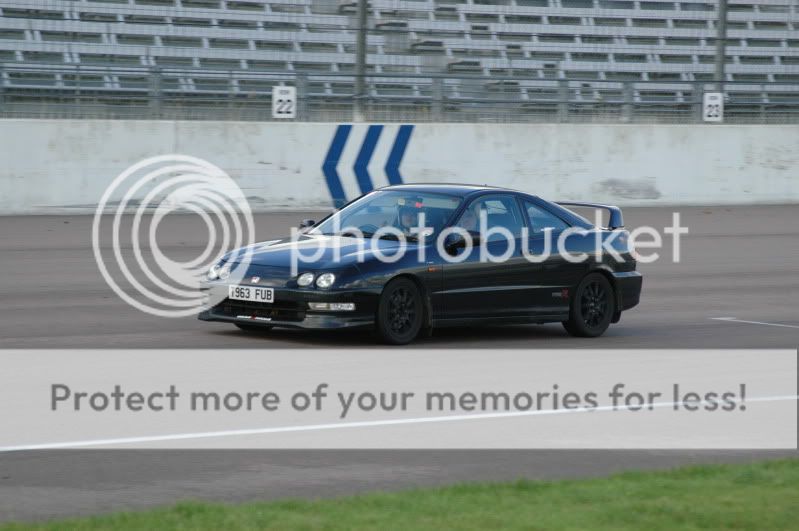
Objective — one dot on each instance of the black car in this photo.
(409, 258)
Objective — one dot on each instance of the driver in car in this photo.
(408, 219)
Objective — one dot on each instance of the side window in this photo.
(499, 210)
(541, 219)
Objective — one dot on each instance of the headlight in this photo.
(224, 272)
(213, 273)
(306, 279)
(325, 280)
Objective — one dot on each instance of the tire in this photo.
(253, 328)
(592, 307)
(400, 312)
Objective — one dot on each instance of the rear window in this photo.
(541, 219)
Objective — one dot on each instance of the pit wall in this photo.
(54, 166)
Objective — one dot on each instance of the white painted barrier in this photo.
(53, 166)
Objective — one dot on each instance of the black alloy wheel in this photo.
(592, 307)
(400, 313)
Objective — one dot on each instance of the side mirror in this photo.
(455, 241)
(307, 223)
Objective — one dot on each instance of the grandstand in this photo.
(506, 60)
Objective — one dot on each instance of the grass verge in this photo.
(750, 496)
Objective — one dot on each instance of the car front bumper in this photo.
(290, 309)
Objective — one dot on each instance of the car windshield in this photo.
(398, 209)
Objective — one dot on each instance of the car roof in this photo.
(447, 188)
(468, 190)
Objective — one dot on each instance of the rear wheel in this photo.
(592, 307)
(253, 328)
(400, 312)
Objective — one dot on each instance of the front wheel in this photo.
(400, 312)
(592, 307)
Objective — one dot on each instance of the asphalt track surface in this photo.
(737, 262)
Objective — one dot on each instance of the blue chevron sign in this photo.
(360, 165)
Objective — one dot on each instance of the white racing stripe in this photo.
(346, 425)
(735, 320)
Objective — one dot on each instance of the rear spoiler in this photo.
(615, 222)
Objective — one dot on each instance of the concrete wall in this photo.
(65, 165)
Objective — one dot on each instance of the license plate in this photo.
(251, 294)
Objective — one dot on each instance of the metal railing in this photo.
(63, 91)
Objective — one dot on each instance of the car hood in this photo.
(315, 250)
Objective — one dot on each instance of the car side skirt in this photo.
(516, 319)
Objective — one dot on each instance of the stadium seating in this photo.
(521, 49)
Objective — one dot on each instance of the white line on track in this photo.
(345, 425)
(736, 320)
